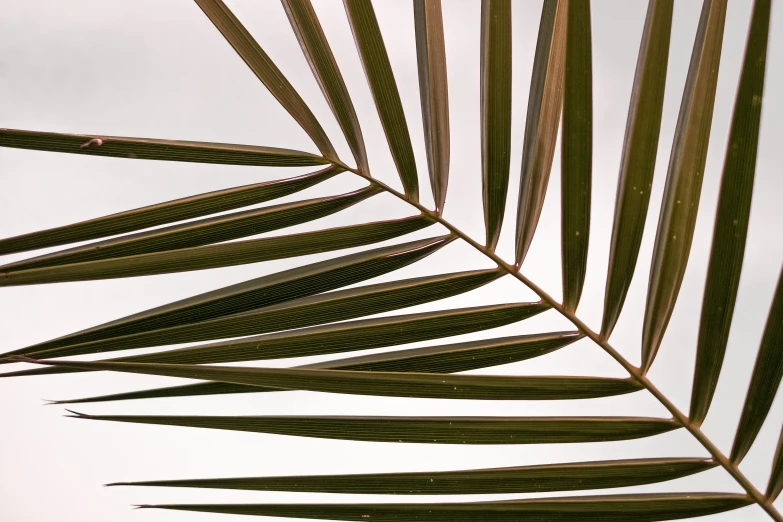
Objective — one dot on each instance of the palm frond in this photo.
(331, 307)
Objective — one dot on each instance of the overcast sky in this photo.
(160, 69)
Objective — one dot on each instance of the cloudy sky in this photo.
(160, 69)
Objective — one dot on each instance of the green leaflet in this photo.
(435, 359)
(380, 77)
(775, 485)
(638, 161)
(351, 336)
(386, 384)
(764, 383)
(256, 293)
(426, 430)
(543, 118)
(575, 476)
(319, 55)
(495, 112)
(197, 233)
(577, 151)
(731, 217)
(684, 179)
(308, 311)
(434, 92)
(152, 149)
(266, 71)
(167, 212)
(338, 338)
(616, 508)
(224, 254)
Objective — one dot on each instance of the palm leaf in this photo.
(448, 358)
(336, 338)
(214, 256)
(543, 119)
(256, 293)
(638, 160)
(684, 179)
(733, 213)
(162, 150)
(775, 485)
(520, 479)
(383, 86)
(391, 384)
(424, 430)
(308, 311)
(162, 213)
(314, 310)
(434, 90)
(495, 112)
(266, 71)
(765, 380)
(319, 55)
(642, 508)
(201, 232)
(577, 151)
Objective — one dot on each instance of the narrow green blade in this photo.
(684, 179)
(167, 212)
(765, 380)
(336, 338)
(731, 218)
(319, 55)
(638, 160)
(308, 311)
(196, 233)
(543, 118)
(351, 336)
(266, 71)
(434, 92)
(616, 508)
(256, 293)
(775, 485)
(424, 430)
(575, 476)
(384, 384)
(577, 151)
(436, 359)
(162, 150)
(220, 255)
(380, 77)
(495, 113)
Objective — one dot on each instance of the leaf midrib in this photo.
(635, 373)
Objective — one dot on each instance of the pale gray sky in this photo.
(160, 69)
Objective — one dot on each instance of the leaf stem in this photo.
(733, 469)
